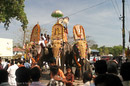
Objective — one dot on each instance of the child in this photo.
(69, 77)
(87, 79)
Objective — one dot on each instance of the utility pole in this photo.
(123, 28)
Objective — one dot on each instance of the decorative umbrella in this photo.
(57, 14)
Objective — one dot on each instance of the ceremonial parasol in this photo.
(57, 14)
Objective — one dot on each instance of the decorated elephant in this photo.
(37, 54)
(80, 49)
(60, 47)
(62, 52)
(45, 55)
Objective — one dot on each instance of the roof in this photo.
(94, 50)
(18, 49)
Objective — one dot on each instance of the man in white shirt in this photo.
(11, 70)
(42, 40)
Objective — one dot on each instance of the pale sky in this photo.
(100, 18)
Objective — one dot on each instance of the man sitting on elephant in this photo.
(42, 40)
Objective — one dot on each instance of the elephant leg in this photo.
(62, 63)
(83, 67)
(77, 73)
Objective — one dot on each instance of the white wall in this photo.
(6, 47)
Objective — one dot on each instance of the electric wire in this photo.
(115, 8)
(118, 7)
(95, 5)
(88, 8)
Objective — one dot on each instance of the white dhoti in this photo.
(12, 80)
(43, 43)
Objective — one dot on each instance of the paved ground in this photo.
(45, 79)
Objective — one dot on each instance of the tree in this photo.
(90, 41)
(10, 9)
(117, 50)
(94, 46)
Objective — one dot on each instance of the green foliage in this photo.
(10, 9)
(103, 50)
(115, 50)
(94, 46)
(57, 15)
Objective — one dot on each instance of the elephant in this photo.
(40, 54)
(45, 55)
(62, 52)
(80, 52)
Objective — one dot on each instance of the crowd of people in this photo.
(20, 73)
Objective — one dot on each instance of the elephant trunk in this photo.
(55, 51)
(82, 49)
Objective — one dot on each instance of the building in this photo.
(18, 51)
(6, 48)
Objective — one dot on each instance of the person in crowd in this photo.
(100, 67)
(1, 67)
(45, 35)
(114, 59)
(48, 41)
(22, 57)
(107, 80)
(21, 63)
(4, 78)
(27, 64)
(22, 76)
(11, 70)
(56, 80)
(87, 79)
(5, 64)
(125, 73)
(65, 34)
(112, 67)
(52, 62)
(69, 77)
(42, 40)
(35, 76)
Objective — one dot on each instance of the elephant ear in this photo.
(75, 49)
(39, 49)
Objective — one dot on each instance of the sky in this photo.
(100, 19)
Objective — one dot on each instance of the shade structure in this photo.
(57, 13)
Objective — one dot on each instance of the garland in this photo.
(79, 35)
(77, 61)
